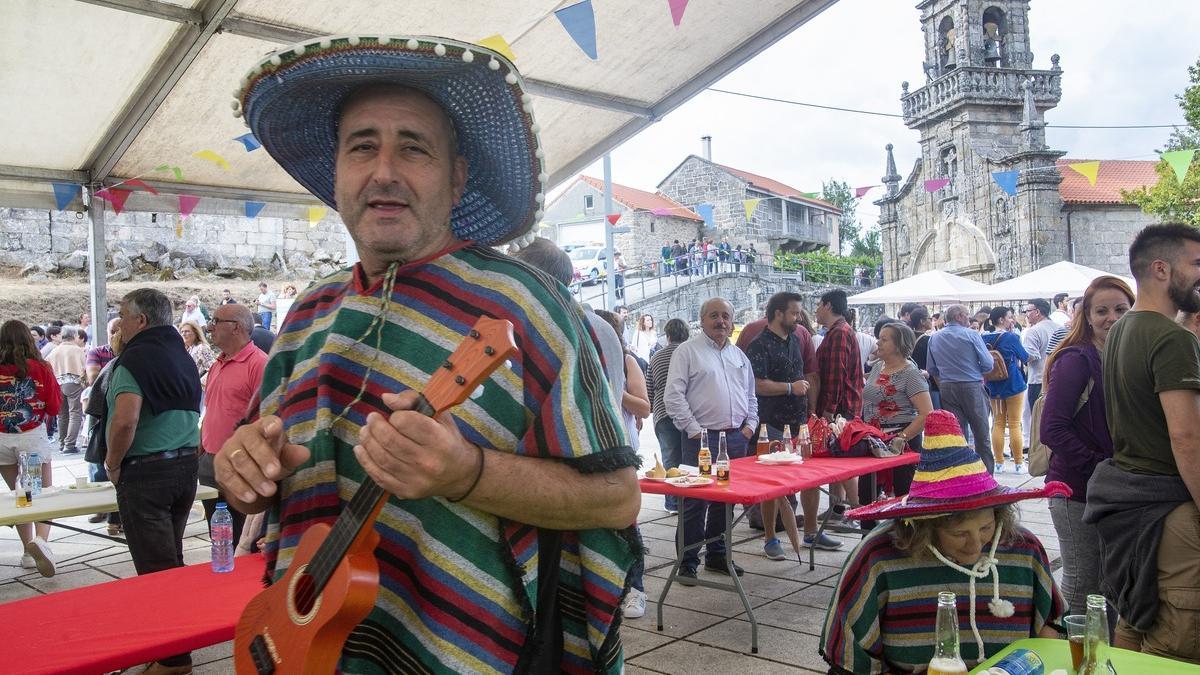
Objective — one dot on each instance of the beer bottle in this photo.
(946, 659)
(722, 464)
(705, 458)
(1095, 645)
(764, 443)
(804, 443)
(787, 439)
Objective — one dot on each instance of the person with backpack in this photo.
(1074, 428)
(1006, 386)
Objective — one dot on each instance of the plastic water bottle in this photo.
(221, 531)
(34, 467)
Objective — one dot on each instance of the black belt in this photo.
(160, 456)
(730, 430)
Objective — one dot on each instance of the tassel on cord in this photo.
(999, 607)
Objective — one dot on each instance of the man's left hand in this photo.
(747, 431)
(413, 456)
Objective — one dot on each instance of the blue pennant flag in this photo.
(1007, 180)
(706, 212)
(249, 141)
(580, 22)
(64, 193)
(252, 208)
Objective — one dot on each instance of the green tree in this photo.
(1171, 199)
(867, 245)
(839, 194)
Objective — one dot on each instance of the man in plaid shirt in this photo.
(839, 369)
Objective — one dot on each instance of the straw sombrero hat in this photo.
(292, 101)
(950, 477)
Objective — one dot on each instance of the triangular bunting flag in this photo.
(860, 191)
(613, 218)
(249, 141)
(580, 22)
(1088, 170)
(677, 7)
(936, 184)
(135, 183)
(187, 203)
(252, 208)
(64, 193)
(1179, 161)
(1007, 180)
(116, 197)
(750, 205)
(661, 212)
(499, 45)
(811, 195)
(315, 214)
(210, 156)
(706, 212)
(173, 169)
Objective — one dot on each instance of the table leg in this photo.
(119, 540)
(679, 548)
(737, 583)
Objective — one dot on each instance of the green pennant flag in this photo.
(811, 195)
(1179, 161)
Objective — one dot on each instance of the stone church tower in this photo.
(981, 110)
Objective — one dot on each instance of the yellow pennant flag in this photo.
(750, 205)
(210, 156)
(1088, 170)
(499, 45)
(315, 214)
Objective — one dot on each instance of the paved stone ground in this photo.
(705, 630)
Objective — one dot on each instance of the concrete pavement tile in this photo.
(15, 591)
(636, 640)
(635, 670)
(776, 644)
(811, 596)
(713, 601)
(677, 621)
(687, 658)
(790, 617)
(123, 569)
(656, 530)
(215, 654)
(76, 578)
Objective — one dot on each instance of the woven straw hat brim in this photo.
(899, 507)
(293, 109)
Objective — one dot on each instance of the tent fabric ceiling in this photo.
(72, 94)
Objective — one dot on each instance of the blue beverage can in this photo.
(1019, 662)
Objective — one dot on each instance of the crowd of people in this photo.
(513, 536)
(701, 257)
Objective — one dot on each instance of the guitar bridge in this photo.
(260, 652)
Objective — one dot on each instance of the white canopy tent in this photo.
(927, 287)
(1061, 277)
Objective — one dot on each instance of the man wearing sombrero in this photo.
(500, 550)
(955, 531)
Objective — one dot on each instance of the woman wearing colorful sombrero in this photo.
(955, 531)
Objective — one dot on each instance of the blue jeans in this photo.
(669, 441)
(155, 499)
(638, 571)
(704, 519)
(266, 319)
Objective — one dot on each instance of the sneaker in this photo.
(686, 576)
(1000, 468)
(822, 541)
(40, 551)
(774, 550)
(1020, 468)
(718, 565)
(27, 561)
(635, 604)
(672, 512)
(98, 518)
(71, 451)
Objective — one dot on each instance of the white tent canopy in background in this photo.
(926, 287)
(1061, 277)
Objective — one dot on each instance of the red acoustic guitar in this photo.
(300, 623)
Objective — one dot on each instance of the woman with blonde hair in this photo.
(197, 347)
(1074, 426)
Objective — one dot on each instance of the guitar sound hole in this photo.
(305, 594)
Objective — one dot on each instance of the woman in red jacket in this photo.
(29, 394)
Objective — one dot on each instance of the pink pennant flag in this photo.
(677, 7)
(135, 183)
(661, 212)
(613, 218)
(116, 197)
(936, 184)
(860, 191)
(187, 203)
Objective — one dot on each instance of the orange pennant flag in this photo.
(1088, 170)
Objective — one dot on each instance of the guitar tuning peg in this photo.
(477, 393)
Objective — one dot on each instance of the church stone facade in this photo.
(982, 110)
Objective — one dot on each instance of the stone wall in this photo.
(1101, 235)
(30, 235)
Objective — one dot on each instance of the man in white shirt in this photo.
(266, 304)
(710, 388)
(1062, 310)
(1036, 340)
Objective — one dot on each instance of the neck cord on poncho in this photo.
(984, 566)
(376, 325)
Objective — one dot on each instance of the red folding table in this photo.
(751, 483)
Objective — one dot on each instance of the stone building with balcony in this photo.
(784, 221)
(982, 110)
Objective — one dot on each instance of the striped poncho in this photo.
(457, 585)
(882, 617)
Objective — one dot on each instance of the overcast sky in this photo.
(1123, 63)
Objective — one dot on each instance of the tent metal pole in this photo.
(97, 258)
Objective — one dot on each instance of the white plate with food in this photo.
(780, 458)
(88, 487)
(690, 481)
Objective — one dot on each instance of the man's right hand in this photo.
(250, 462)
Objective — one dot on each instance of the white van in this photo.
(590, 263)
